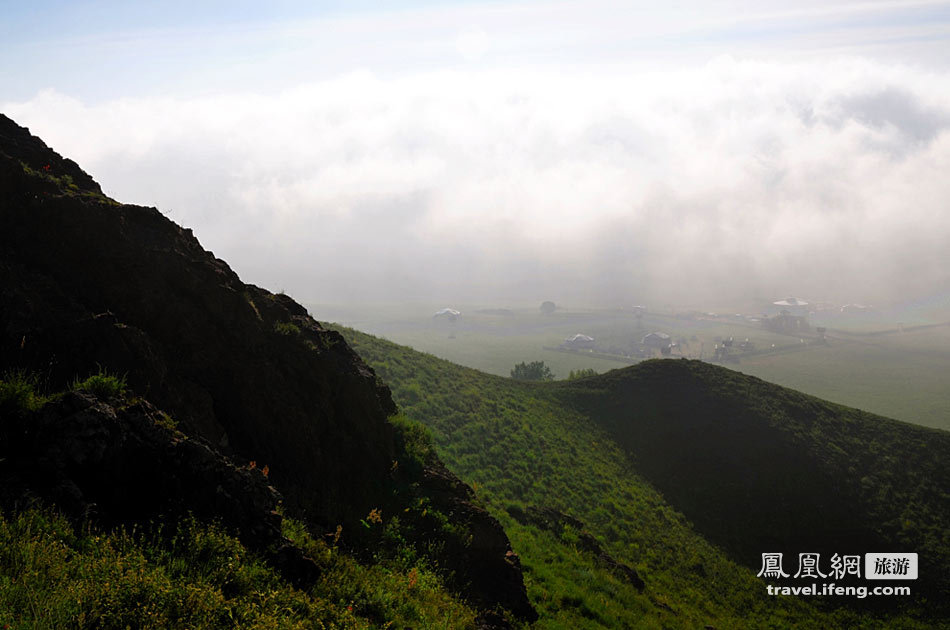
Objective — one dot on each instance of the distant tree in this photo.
(581, 373)
(534, 371)
(548, 307)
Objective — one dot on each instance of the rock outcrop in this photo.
(125, 464)
(488, 561)
(119, 463)
(87, 283)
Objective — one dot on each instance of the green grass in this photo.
(573, 375)
(633, 454)
(287, 329)
(63, 184)
(19, 393)
(896, 375)
(750, 463)
(103, 384)
(191, 574)
(197, 576)
(414, 441)
(541, 444)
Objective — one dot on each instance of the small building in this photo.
(659, 341)
(791, 306)
(447, 313)
(656, 340)
(579, 342)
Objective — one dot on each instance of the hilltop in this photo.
(90, 286)
(759, 466)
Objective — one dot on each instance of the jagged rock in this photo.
(488, 563)
(545, 517)
(296, 567)
(622, 570)
(123, 465)
(491, 621)
(87, 283)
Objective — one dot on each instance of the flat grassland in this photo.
(879, 366)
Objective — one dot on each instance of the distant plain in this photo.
(895, 365)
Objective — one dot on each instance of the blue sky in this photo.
(108, 49)
(491, 150)
(112, 48)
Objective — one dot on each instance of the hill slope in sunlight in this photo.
(686, 473)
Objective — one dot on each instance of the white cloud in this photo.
(472, 44)
(729, 179)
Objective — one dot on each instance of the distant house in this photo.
(658, 340)
(579, 342)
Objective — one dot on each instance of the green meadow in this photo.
(580, 448)
(871, 365)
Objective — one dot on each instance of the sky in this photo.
(597, 153)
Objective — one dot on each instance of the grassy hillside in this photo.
(526, 445)
(899, 375)
(198, 576)
(757, 466)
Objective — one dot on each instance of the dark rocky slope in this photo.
(119, 463)
(86, 283)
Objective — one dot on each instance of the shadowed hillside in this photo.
(88, 282)
(89, 286)
(758, 467)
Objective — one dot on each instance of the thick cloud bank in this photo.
(730, 181)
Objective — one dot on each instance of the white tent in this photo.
(449, 313)
(791, 301)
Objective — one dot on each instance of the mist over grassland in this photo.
(728, 181)
(722, 184)
(890, 362)
(691, 158)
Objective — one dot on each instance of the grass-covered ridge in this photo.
(548, 445)
(894, 372)
(753, 463)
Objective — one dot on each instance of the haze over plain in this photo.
(604, 153)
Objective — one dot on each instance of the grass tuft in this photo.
(103, 385)
(18, 393)
(287, 329)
